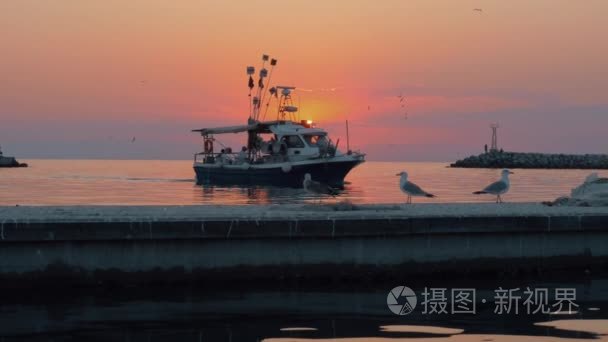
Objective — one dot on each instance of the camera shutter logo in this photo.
(401, 300)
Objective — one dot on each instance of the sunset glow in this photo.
(83, 77)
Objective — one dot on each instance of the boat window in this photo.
(293, 141)
(316, 140)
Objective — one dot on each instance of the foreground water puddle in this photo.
(593, 326)
(299, 329)
(420, 329)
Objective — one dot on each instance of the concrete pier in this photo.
(216, 243)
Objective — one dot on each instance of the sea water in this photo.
(171, 182)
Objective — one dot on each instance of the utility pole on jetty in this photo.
(494, 145)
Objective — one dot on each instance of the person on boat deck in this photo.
(283, 147)
(271, 144)
(323, 145)
(220, 157)
(227, 157)
(224, 157)
(242, 155)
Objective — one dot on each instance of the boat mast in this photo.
(256, 99)
(250, 72)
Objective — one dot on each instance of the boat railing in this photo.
(236, 158)
(216, 158)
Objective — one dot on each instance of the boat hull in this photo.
(289, 175)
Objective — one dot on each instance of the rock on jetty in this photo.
(10, 162)
(521, 160)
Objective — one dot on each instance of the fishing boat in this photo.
(277, 152)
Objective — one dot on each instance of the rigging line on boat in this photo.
(275, 94)
(299, 107)
(263, 73)
(267, 106)
(249, 102)
(219, 142)
(273, 63)
(250, 85)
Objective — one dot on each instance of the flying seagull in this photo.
(317, 188)
(497, 188)
(410, 188)
(478, 10)
(133, 140)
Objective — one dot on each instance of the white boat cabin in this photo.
(286, 141)
(298, 142)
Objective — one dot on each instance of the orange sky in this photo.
(71, 72)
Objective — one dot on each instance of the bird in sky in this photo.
(498, 188)
(133, 140)
(401, 99)
(410, 188)
(478, 10)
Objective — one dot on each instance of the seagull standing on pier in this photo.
(317, 188)
(410, 188)
(498, 188)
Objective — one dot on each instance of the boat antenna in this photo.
(273, 63)
(286, 103)
(250, 72)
